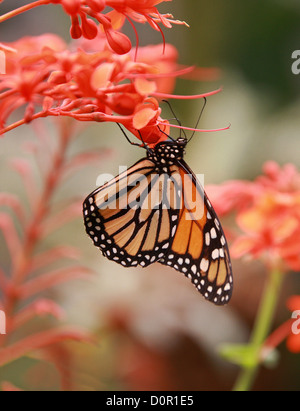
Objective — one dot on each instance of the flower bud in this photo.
(89, 28)
(118, 41)
(75, 29)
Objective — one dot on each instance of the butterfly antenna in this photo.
(166, 134)
(199, 118)
(175, 117)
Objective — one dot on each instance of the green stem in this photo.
(261, 329)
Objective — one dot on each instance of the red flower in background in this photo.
(268, 214)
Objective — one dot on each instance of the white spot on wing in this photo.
(204, 265)
(207, 239)
(174, 231)
(215, 254)
(213, 233)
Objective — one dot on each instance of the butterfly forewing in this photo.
(131, 218)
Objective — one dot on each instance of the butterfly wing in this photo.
(199, 248)
(133, 217)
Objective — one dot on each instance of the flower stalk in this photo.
(25, 259)
(32, 234)
(261, 330)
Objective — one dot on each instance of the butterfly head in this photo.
(182, 141)
(168, 153)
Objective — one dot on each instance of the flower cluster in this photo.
(49, 79)
(98, 77)
(268, 214)
(90, 16)
(110, 22)
(83, 85)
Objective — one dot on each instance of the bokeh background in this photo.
(153, 331)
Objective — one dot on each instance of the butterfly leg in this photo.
(128, 139)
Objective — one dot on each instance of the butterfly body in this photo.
(157, 211)
(166, 154)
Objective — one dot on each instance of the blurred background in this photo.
(154, 332)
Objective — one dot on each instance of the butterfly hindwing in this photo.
(199, 248)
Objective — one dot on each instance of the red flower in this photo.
(88, 15)
(79, 84)
(49, 79)
(93, 82)
(144, 123)
(143, 11)
(231, 196)
(165, 64)
(28, 65)
(268, 213)
(83, 11)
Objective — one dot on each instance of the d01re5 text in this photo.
(171, 400)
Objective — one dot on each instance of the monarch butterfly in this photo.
(149, 214)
